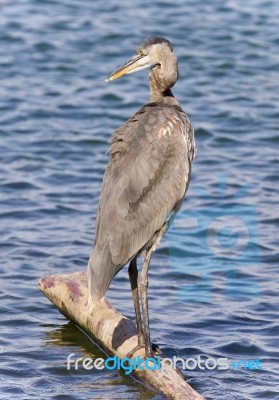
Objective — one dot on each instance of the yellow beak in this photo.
(136, 63)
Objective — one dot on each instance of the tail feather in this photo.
(100, 272)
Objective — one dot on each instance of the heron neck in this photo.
(157, 96)
(161, 80)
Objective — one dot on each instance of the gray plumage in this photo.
(148, 171)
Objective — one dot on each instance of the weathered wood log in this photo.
(115, 333)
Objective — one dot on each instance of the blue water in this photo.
(214, 280)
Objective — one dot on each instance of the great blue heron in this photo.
(144, 183)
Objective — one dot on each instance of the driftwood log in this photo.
(115, 333)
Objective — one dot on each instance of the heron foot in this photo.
(155, 349)
(135, 349)
(152, 353)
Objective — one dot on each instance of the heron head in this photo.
(151, 53)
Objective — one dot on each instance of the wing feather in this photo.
(146, 177)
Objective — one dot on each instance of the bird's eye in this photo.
(141, 52)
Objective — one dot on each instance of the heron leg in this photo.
(144, 300)
(133, 276)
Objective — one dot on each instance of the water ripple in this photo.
(213, 281)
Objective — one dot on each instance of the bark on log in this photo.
(115, 333)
